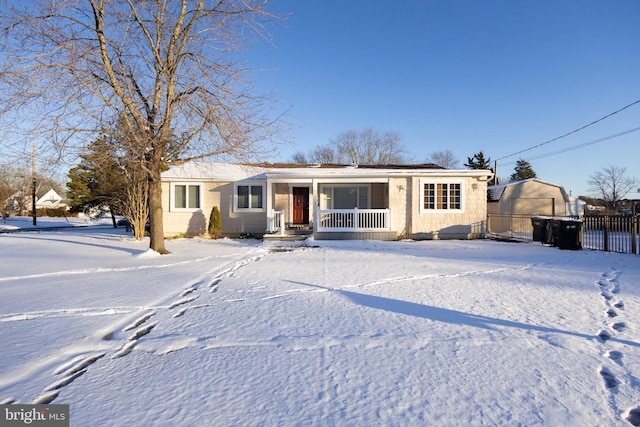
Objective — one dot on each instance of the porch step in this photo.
(288, 236)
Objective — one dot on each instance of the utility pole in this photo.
(34, 182)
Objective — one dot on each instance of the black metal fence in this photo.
(611, 233)
(603, 233)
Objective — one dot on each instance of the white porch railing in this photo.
(353, 220)
(275, 223)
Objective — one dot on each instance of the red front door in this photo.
(300, 205)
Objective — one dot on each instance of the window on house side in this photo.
(186, 197)
(442, 196)
(249, 196)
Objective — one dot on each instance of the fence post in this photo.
(607, 221)
(634, 228)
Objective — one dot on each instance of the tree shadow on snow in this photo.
(132, 251)
(449, 316)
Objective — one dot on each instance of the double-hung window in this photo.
(441, 196)
(249, 197)
(186, 197)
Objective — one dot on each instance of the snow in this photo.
(244, 332)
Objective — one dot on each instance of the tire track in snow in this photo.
(389, 280)
(102, 270)
(444, 275)
(67, 372)
(67, 312)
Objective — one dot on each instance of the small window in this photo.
(429, 196)
(444, 196)
(249, 197)
(186, 196)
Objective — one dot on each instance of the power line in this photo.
(573, 131)
(575, 147)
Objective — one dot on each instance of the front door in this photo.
(300, 205)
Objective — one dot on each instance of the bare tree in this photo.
(299, 158)
(12, 190)
(324, 154)
(369, 147)
(109, 174)
(166, 66)
(16, 184)
(445, 159)
(611, 184)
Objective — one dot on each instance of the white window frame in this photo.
(425, 181)
(323, 187)
(172, 201)
(262, 185)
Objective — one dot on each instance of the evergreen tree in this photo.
(79, 188)
(523, 170)
(478, 161)
(215, 223)
(111, 175)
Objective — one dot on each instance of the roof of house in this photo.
(239, 171)
(50, 198)
(495, 192)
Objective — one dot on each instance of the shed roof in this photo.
(495, 192)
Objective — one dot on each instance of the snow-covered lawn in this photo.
(352, 333)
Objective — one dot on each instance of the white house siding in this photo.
(469, 223)
(195, 223)
(400, 205)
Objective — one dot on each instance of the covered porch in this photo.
(329, 208)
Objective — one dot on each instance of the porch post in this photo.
(269, 206)
(315, 206)
(356, 223)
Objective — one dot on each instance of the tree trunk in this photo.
(155, 211)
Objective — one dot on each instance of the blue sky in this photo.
(496, 75)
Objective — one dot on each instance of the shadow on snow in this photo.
(448, 316)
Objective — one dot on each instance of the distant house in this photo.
(21, 203)
(575, 206)
(51, 199)
(327, 201)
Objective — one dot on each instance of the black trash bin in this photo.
(541, 229)
(566, 233)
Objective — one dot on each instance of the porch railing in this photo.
(275, 223)
(353, 219)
